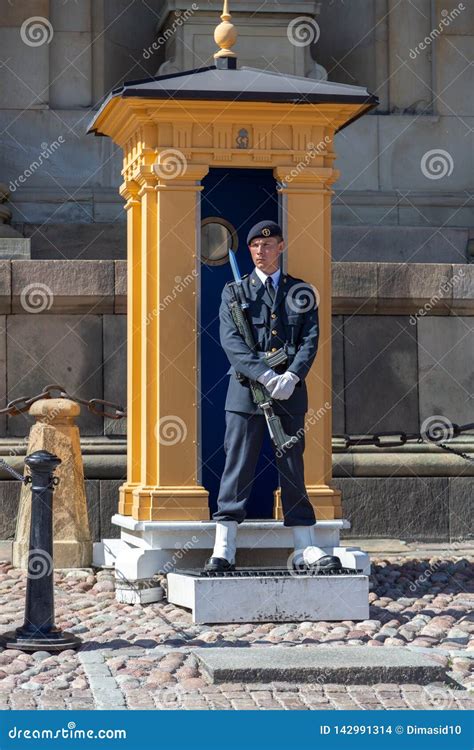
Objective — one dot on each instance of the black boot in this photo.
(218, 565)
(326, 564)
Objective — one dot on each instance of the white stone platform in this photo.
(276, 598)
(148, 548)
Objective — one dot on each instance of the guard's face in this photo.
(266, 253)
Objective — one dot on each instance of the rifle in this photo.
(260, 395)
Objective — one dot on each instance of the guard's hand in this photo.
(284, 386)
(267, 377)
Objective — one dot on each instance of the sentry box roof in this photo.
(232, 84)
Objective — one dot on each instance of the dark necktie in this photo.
(270, 288)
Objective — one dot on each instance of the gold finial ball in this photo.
(225, 34)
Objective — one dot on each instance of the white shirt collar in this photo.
(263, 276)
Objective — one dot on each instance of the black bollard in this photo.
(38, 632)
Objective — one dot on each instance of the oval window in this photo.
(217, 236)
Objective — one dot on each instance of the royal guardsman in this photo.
(283, 313)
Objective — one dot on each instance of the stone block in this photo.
(6, 550)
(3, 372)
(71, 70)
(380, 356)
(70, 17)
(271, 599)
(109, 206)
(346, 210)
(412, 460)
(108, 463)
(462, 280)
(462, 22)
(58, 163)
(115, 369)
(9, 504)
(25, 72)
(457, 213)
(5, 288)
(13, 14)
(399, 244)
(97, 241)
(15, 248)
(354, 287)
(92, 487)
(408, 508)
(409, 78)
(338, 418)
(357, 156)
(40, 206)
(461, 519)
(454, 77)
(120, 286)
(321, 665)
(403, 286)
(446, 364)
(64, 349)
(405, 140)
(109, 495)
(58, 286)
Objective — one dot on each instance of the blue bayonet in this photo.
(238, 279)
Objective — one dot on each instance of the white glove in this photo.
(266, 377)
(284, 386)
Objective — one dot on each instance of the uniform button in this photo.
(273, 315)
(274, 332)
(274, 349)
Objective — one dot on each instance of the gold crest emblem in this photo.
(266, 232)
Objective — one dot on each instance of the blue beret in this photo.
(264, 229)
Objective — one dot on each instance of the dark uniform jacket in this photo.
(272, 326)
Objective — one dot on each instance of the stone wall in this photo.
(388, 179)
(403, 352)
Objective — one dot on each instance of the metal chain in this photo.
(96, 406)
(466, 456)
(13, 472)
(396, 439)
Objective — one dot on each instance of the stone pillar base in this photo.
(325, 500)
(66, 554)
(170, 504)
(55, 431)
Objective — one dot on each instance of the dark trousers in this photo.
(242, 444)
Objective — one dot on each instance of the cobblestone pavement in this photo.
(140, 657)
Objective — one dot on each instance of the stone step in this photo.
(343, 665)
(276, 598)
